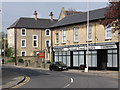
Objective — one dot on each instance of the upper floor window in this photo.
(10, 43)
(63, 36)
(23, 53)
(23, 43)
(76, 34)
(56, 38)
(47, 43)
(108, 32)
(10, 32)
(35, 40)
(47, 32)
(23, 32)
(90, 33)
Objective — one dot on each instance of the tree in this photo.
(9, 52)
(112, 16)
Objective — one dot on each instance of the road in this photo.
(57, 79)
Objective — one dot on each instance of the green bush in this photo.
(10, 61)
(13, 57)
(21, 60)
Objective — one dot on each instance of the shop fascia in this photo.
(70, 48)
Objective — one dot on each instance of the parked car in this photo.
(58, 66)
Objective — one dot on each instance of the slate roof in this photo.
(32, 23)
(81, 17)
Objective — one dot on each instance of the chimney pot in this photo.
(51, 16)
(35, 15)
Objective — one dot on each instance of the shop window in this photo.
(78, 58)
(92, 59)
(75, 60)
(112, 58)
(62, 57)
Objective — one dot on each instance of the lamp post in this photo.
(86, 69)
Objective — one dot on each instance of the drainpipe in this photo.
(51, 46)
(15, 36)
(41, 49)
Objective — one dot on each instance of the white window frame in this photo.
(10, 32)
(46, 43)
(35, 40)
(21, 31)
(21, 42)
(90, 33)
(56, 38)
(46, 32)
(63, 36)
(76, 28)
(108, 30)
(21, 53)
(10, 43)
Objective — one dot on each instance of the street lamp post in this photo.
(86, 69)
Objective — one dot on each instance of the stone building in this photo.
(70, 41)
(29, 36)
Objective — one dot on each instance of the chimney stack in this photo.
(35, 15)
(51, 16)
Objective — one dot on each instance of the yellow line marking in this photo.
(23, 83)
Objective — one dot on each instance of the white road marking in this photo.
(67, 86)
(71, 80)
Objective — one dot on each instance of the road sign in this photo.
(41, 55)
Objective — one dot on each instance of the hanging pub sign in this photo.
(41, 55)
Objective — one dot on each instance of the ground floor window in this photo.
(63, 57)
(111, 58)
(92, 59)
(23, 53)
(78, 58)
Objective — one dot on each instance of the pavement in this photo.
(11, 79)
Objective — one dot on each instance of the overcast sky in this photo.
(11, 11)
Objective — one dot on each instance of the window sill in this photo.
(76, 41)
(35, 47)
(23, 47)
(56, 43)
(63, 42)
(23, 35)
(47, 35)
(89, 41)
(107, 39)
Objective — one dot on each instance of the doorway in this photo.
(102, 59)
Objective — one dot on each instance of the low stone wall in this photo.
(32, 62)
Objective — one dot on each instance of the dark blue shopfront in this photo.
(101, 56)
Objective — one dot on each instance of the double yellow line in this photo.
(27, 79)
